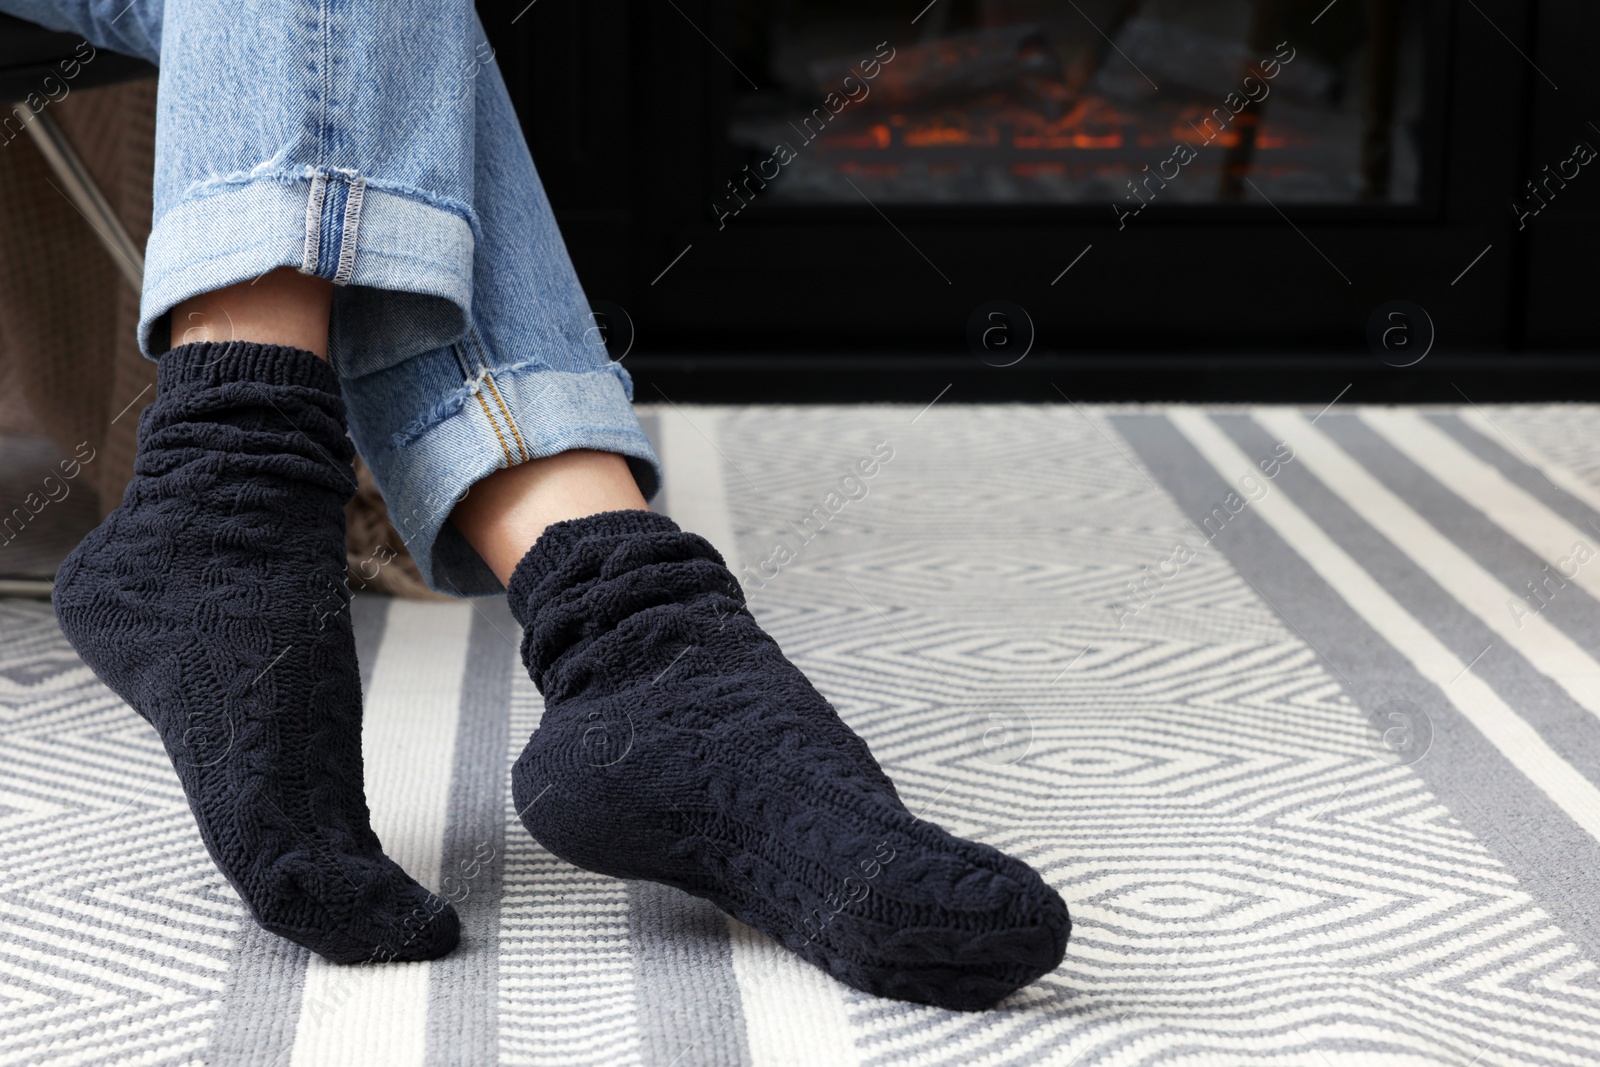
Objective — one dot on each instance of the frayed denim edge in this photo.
(223, 183)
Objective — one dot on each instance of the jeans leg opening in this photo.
(432, 428)
(401, 265)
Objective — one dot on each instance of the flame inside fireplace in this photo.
(1004, 148)
(999, 116)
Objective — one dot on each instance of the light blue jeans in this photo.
(374, 144)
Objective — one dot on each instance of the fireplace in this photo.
(820, 190)
(1041, 102)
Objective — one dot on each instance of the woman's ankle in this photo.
(503, 514)
(282, 307)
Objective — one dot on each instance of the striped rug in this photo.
(1299, 710)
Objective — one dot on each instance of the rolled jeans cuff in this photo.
(402, 266)
(498, 417)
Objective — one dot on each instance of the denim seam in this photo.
(496, 428)
(463, 362)
(313, 245)
(451, 405)
(476, 343)
(352, 224)
(466, 352)
(325, 31)
(467, 356)
(511, 423)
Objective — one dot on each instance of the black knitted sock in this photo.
(213, 601)
(679, 745)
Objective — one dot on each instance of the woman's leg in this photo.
(337, 140)
(507, 511)
(526, 408)
(678, 744)
(328, 141)
(282, 307)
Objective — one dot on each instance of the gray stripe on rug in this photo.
(1510, 816)
(260, 1009)
(689, 1005)
(1528, 479)
(1571, 609)
(1569, 728)
(464, 987)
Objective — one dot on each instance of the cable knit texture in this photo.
(679, 745)
(213, 601)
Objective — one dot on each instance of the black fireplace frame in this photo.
(624, 103)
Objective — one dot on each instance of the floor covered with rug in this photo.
(1299, 710)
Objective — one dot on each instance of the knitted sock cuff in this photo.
(267, 407)
(562, 543)
(584, 577)
(217, 363)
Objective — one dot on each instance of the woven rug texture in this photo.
(1299, 711)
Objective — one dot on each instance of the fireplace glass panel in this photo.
(1076, 101)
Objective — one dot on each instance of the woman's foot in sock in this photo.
(213, 601)
(679, 745)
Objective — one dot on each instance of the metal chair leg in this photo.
(85, 195)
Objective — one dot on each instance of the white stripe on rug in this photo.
(692, 465)
(1535, 638)
(1480, 705)
(1512, 508)
(793, 1012)
(1561, 476)
(379, 1013)
(566, 995)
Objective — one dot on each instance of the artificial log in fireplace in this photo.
(1189, 177)
(1032, 101)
